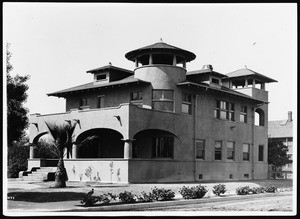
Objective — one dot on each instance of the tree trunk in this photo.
(60, 174)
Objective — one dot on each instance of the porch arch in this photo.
(108, 143)
(36, 138)
(154, 143)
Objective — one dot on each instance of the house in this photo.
(283, 131)
(162, 123)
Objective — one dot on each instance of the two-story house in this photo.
(162, 123)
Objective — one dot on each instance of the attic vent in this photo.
(207, 67)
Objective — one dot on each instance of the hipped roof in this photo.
(241, 73)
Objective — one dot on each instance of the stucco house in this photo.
(162, 123)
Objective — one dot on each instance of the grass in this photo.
(76, 190)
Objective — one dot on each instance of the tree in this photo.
(277, 153)
(17, 158)
(17, 120)
(62, 136)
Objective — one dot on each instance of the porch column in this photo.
(253, 83)
(128, 148)
(184, 64)
(246, 82)
(74, 151)
(174, 60)
(31, 151)
(150, 59)
(136, 63)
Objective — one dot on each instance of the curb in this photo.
(140, 206)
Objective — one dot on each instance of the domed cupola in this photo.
(160, 53)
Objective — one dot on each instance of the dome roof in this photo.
(161, 47)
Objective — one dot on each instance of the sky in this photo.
(56, 43)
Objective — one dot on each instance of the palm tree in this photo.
(63, 138)
(62, 135)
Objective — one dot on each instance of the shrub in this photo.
(106, 198)
(127, 197)
(144, 197)
(219, 189)
(270, 189)
(89, 200)
(162, 194)
(244, 190)
(193, 192)
(257, 190)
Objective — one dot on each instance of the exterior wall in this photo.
(97, 170)
(113, 97)
(256, 93)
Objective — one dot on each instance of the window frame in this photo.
(83, 102)
(246, 158)
(261, 152)
(162, 99)
(187, 102)
(157, 148)
(226, 107)
(231, 150)
(99, 103)
(244, 114)
(219, 150)
(139, 101)
(202, 150)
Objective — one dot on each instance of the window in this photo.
(260, 153)
(243, 114)
(230, 150)
(186, 103)
(224, 110)
(215, 81)
(162, 100)
(100, 102)
(246, 151)
(259, 117)
(101, 77)
(136, 98)
(162, 147)
(83, 102)
(218, 150)
(231, 111)
(200, 149)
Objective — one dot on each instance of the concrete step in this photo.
(41, 174)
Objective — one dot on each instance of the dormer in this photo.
(206, 75)
(109, 73)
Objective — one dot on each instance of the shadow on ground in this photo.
(45, 196)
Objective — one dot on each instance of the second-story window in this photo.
(243, 114)
(136, 98)
(186, 106)
(100, 101)
(83, 102)
(163, 100)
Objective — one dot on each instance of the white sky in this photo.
(57, 43)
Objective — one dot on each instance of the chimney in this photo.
(290, 116)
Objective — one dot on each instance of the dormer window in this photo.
(215, 81)
(101, 77)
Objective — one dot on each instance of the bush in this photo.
(270, 189)
(144, 197)
(257, 190)
(17, 155)
(193, 192)
(162, 194)
(244, 190)
(219, 189)
(106, 198)
(127, 197)
(89, 200)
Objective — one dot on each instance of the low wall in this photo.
(97, 170)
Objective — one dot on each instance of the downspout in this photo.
(195, 132)
(253, 137)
